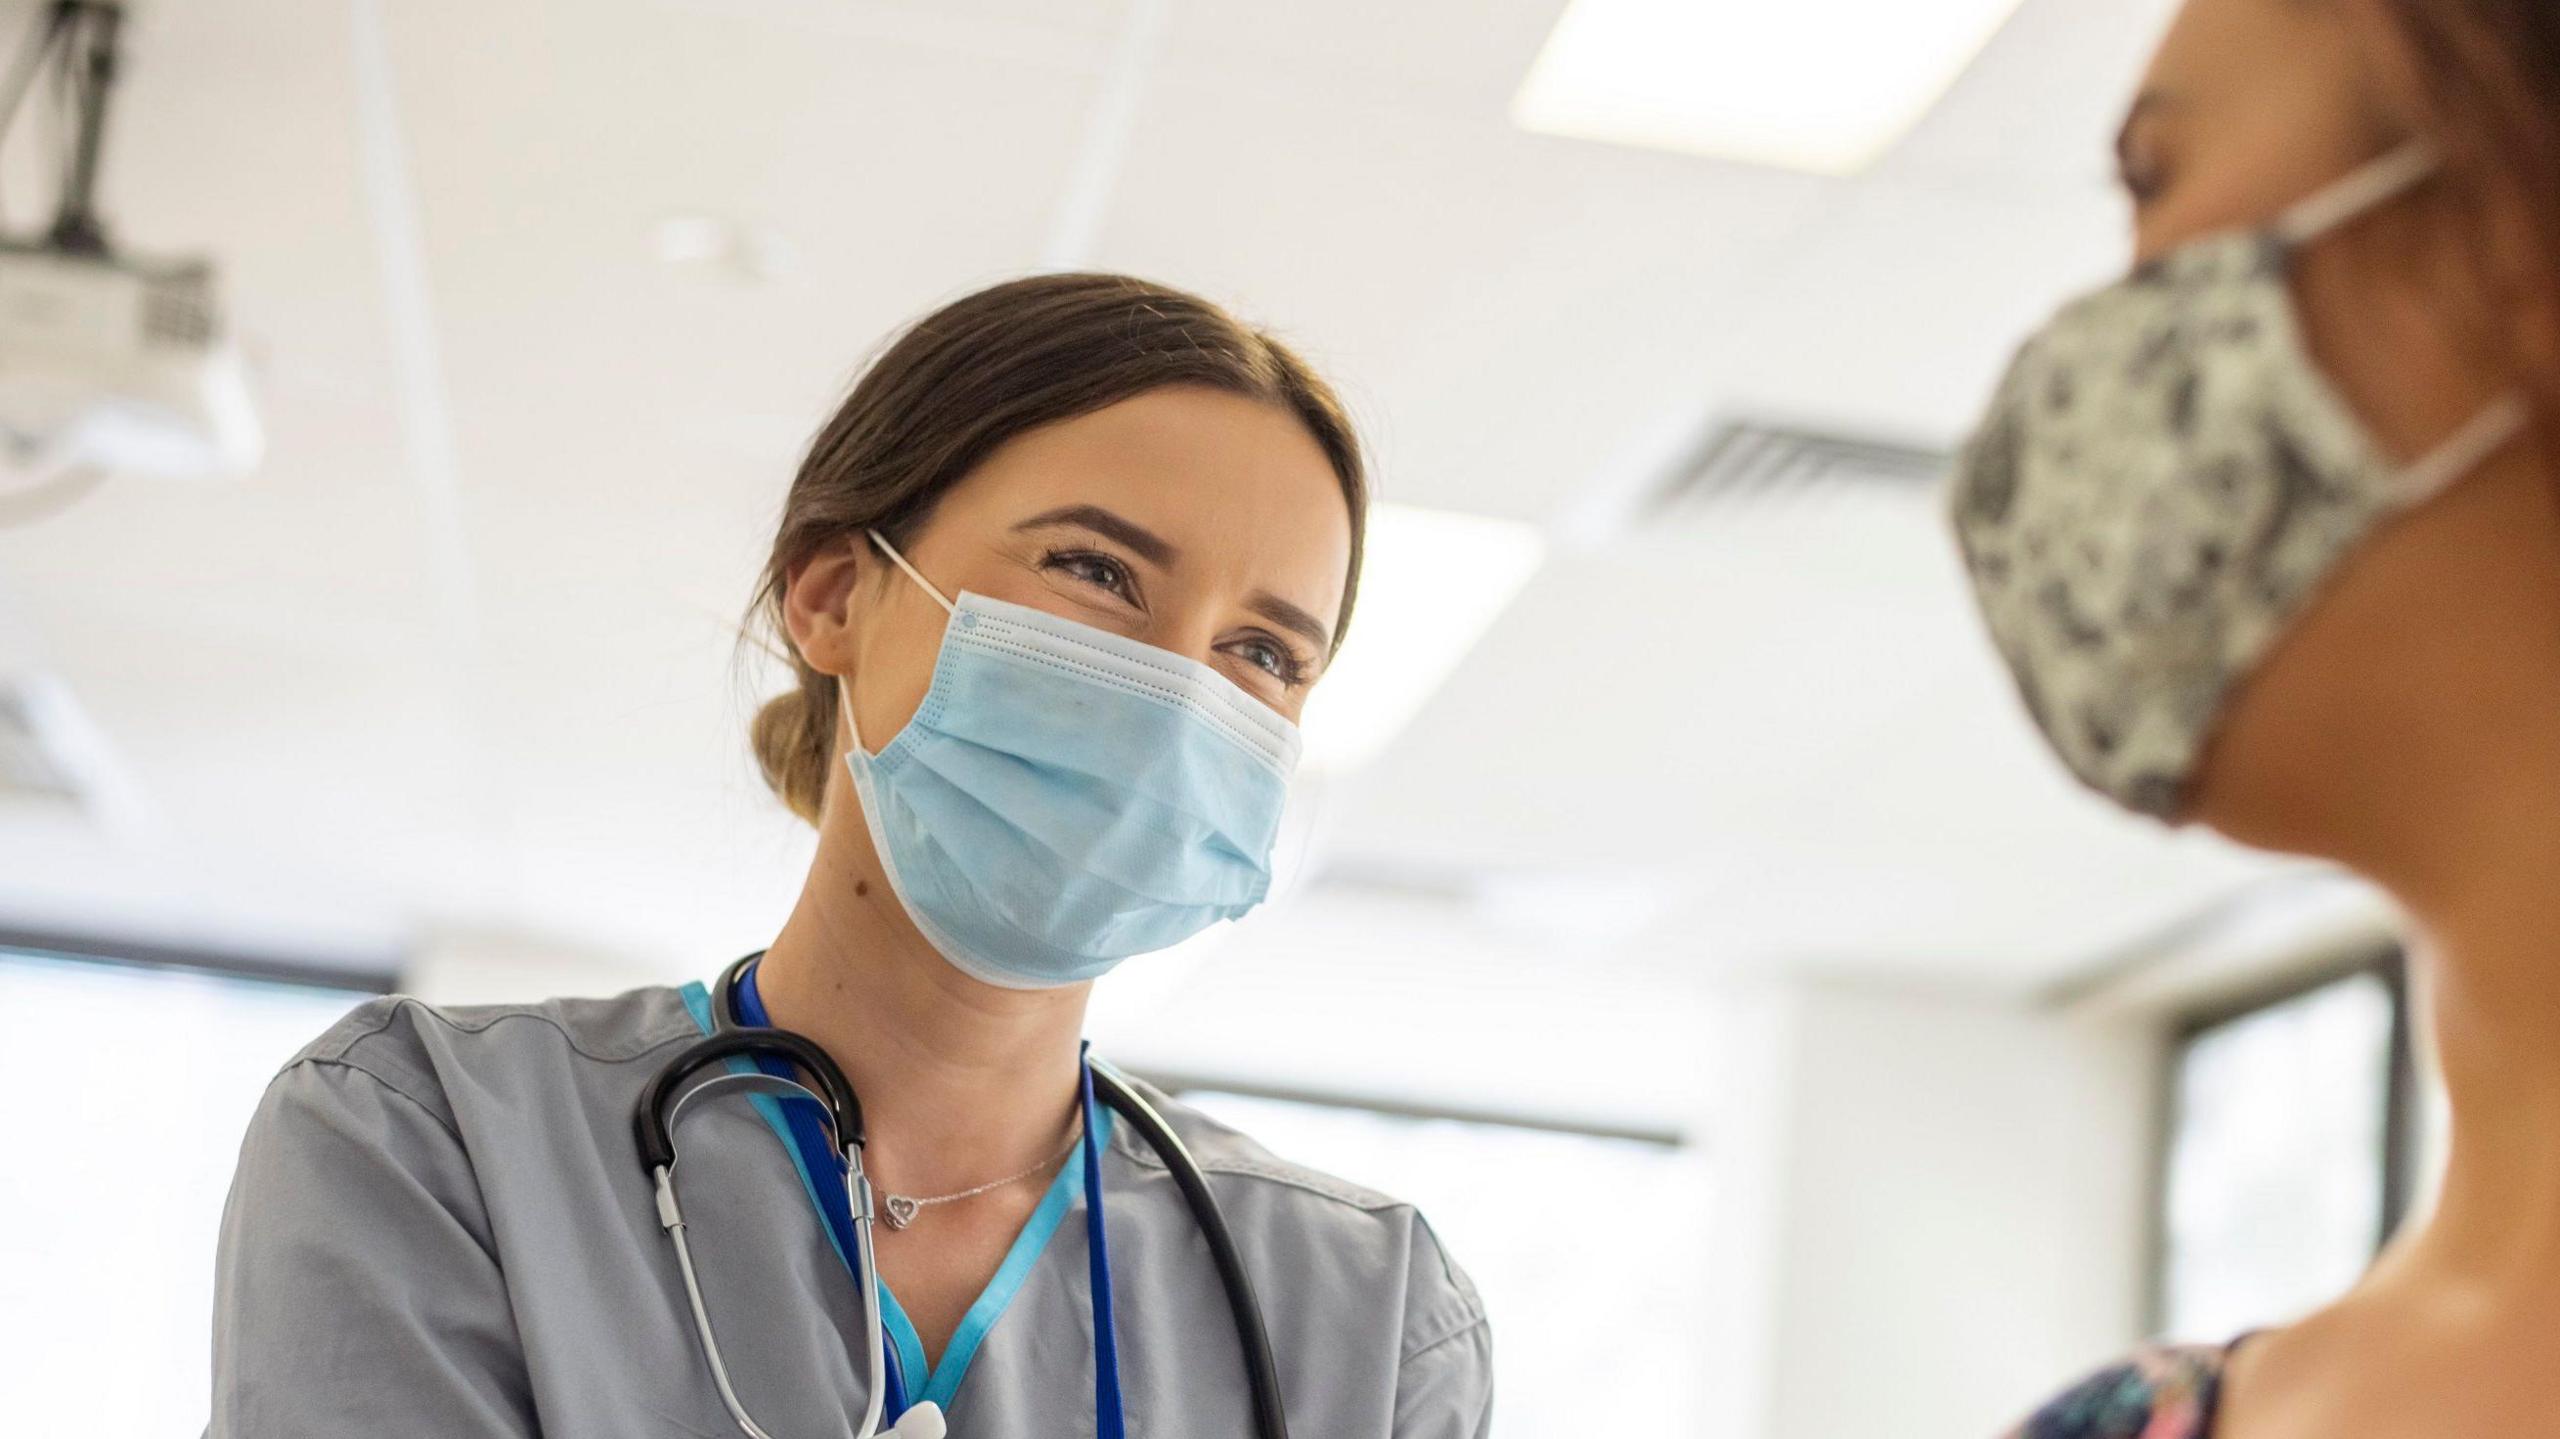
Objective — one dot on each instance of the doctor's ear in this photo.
(818, 603)
(822, 603)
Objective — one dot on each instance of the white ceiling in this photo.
(459, 656)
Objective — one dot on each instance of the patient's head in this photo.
(2422, 682)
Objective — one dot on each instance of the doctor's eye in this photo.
(1096, 569)
(1273, 658)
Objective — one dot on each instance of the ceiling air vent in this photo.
(1750, 460)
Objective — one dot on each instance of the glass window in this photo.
(1590, 1251)
(124, 1092)
(2278, 1184)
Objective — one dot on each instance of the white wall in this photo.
(1950, 1205)
(500, 967)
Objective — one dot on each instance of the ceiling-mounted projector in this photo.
(119, 366)
(109, 364)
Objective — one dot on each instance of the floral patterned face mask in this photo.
(2163, 483)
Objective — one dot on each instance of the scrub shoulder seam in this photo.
(1449, 1270)
(385, 1009)
(390, 1085)
(1479, 1321)
(367, 1022)
(488, 1022)
(462, 1146)
(1341, 1192)
(1350, 1196)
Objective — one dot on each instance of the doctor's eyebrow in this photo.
(1151, 547)
(1290, 617)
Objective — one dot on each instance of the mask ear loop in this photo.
(844, 688)
(900, 561)
(2375, 183)
(2469, 448)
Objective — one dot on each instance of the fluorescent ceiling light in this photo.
(1819, 85)
(1434, 582)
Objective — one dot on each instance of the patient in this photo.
(2269, 533)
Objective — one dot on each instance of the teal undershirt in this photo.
(939, 1383)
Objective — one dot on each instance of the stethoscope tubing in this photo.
(671, 1219)
(654, 1120)
(653, 1127)
(1262, 1373)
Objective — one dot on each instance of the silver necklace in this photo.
(901, 1210)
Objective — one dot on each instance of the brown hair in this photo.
(966, 379)
(2487, 74)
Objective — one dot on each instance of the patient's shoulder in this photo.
(2160, 1393)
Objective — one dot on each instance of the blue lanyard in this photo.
(1107, 1420)
(825, 1167)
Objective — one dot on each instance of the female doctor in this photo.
(1056, 581)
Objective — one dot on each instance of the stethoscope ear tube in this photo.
(649, 1117)
(1262, 1372)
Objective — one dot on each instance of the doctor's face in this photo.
(1200, 522)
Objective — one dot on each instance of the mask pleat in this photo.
(1056, 805)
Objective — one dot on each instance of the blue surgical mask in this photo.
(1065, 797)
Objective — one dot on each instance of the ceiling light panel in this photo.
(1825, 86)
(1433, 582)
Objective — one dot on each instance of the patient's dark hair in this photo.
(966, 379)
(2488, 74)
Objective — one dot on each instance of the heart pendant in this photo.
(901, 1210)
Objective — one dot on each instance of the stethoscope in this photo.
(742, 1034)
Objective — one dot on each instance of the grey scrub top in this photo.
(440, 1226)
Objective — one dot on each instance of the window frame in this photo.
(2397, 1165)
(372, 977)
(145, 972)
(1181, 1084)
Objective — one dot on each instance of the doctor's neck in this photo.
(958, 1078)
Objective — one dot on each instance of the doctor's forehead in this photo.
(1226, 483)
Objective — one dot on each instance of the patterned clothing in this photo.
(2162, 1393)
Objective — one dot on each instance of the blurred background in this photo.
(1678, 907)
